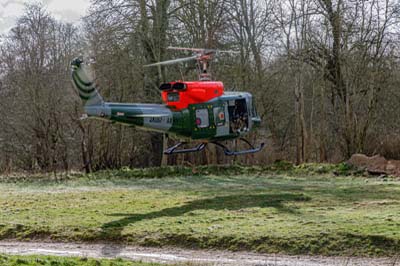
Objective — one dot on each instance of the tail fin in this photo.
(84, 83)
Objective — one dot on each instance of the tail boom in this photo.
(155, 117)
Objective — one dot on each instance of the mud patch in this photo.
(172, 255)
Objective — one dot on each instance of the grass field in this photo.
(292, 211)
(6, 260)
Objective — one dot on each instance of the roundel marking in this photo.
(198, 121)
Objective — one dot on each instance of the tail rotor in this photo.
(84, 83)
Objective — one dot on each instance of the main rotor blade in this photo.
(228, 51)
(201, 50)
(198, 50)
(174, 61)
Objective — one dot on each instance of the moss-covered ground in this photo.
(312, 209)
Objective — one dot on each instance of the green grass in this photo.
(280, 167)
(7, 260)
(300, 210)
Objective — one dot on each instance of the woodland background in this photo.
(325, 75)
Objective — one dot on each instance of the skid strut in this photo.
(202, 146)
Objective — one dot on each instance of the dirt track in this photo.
(179, 255)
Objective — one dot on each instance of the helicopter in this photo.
(199, 111)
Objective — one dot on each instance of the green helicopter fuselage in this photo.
(227, 116)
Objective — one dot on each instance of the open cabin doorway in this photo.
(238, 116)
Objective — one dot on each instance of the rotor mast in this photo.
(203, 63)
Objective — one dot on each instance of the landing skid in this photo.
(174, 149)
(229, 152)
